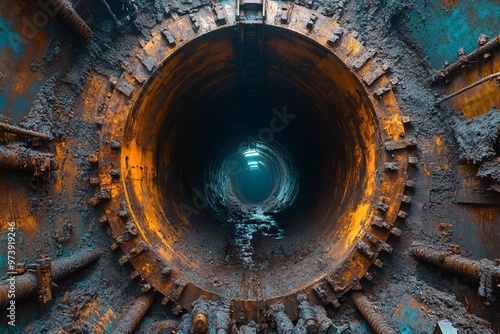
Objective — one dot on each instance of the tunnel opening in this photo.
(273, 189)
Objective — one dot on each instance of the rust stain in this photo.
(478, 100)
(426, 170)
(97, 317)
(450, 3)
(443, 227)
(15, 207)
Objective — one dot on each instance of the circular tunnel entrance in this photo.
(271, 187)
(251, 179)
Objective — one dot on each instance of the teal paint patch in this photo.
(409, 315)
(405, 330)
(20, 104)
(441, 31)
(3, 100)
(9, 38)
(17, 107)
(410, 318)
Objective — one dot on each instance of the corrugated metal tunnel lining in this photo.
(190, 121)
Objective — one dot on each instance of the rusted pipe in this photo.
(456, 66)
(200, 323)
(22, 158)
(26, 284)
(64, 267)
(307, 315)
(132, 318)
(489, 77)
(70, 17)
(325, 323)
(22, 285)
(374, 318)
(283, 322)
(488, 275)
(19, 131)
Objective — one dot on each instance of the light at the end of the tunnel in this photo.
(251, 153)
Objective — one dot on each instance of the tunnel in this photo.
(249, 167)
(236, 187)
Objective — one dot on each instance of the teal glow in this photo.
(255, 184)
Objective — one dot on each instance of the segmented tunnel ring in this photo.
(374, 217)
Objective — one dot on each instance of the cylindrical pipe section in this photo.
(21, 158)
(18, 131)
(325, 323)
(374, 318)
(307, 314)
(26, 284)
(455, 263)
(70, 17)
(200, 322)
(283, 322)
(132, 318)
(64, 267)
(22, 285)
(492, 45)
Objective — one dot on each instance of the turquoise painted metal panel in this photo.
(410, 318)
(441, 27)
(10, 39)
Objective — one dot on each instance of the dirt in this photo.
(490, 171)
(476, 137)
(70, 224)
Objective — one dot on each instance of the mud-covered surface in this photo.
(477, 137)
(413, 297)
(490, 171)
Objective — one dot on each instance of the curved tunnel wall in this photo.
(191, 117)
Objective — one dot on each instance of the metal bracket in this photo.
(251, 11)
(44, 284)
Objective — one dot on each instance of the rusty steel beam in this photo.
(490, 46)
(19, 131)
(67, 14)
(132, 318)
(374, 318)
(22, 158)
(484, 272)
(26, 284)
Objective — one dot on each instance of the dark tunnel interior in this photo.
(237, 183)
